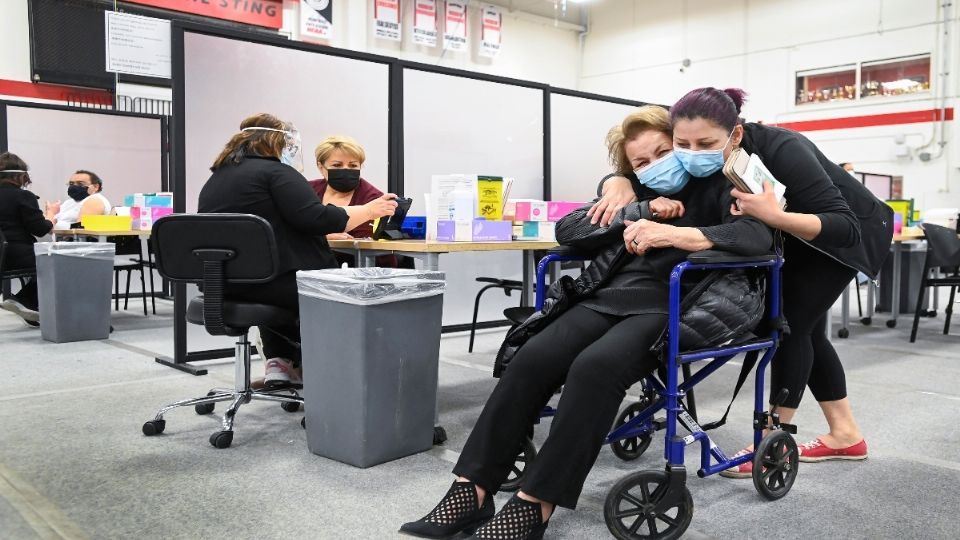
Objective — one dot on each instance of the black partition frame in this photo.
(395, 149)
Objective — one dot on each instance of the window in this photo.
(829, 84)
(895, 77)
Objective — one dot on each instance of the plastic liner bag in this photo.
(370, 286)
(87, 250)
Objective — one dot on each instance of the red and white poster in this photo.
(316, 20)
(425, 22)
(267, 13)
(386, 19)
(491, 25)
(455, 26)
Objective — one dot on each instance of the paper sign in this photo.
(316, 20)
(425, 22)
(386, 19)
(455, 26)
(491, 24)
(137, 45)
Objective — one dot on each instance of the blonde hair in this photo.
(339, 142)
(646, 118)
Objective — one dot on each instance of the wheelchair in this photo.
(656, 504)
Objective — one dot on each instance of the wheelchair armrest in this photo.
(567, 251)
(715, 256)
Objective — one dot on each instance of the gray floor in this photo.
(73, 463)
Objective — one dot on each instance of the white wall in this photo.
(634, 49)
(15, 52)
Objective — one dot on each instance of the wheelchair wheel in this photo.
(634, 509)
(775, 465)
(526, 456)
(634, 447)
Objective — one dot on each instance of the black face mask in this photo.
(77, 193)
(343, 180)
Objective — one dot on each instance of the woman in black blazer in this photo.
(22, 223)
(256, 173)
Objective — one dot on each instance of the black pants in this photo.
(812, 282)
(597, 358)
(278, 341)
(20, 256)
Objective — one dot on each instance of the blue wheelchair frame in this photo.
(670, 394)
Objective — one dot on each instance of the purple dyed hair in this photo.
(722, 107)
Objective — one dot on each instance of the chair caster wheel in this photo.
(775, 465)
(205, 408)
(891, 324)
(439, 435)
(843, 333)
(528, 452)
(303, 422)
(221, 439)
(638, 501)
(154, 427)
(290, 406)
(634, 447)
(866, 321)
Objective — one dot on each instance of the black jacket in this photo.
(278, 193)
(856, 226)
(21, 219)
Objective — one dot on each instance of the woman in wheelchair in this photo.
(595, 341)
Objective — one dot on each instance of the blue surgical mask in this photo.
(701, 163)
(666, 175)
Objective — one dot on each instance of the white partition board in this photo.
(460, 125)
(124, 151)
(578, 153)
(226, 80)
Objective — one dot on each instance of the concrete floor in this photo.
(74, 464)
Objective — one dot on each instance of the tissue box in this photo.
(510, 211)
(143, 217)
(531, 210)
(558, 209)
(537, 230)
(161, 200)
(106, 223)
(492, 231)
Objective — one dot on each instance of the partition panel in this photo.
(456, 124)
(228, 79)
(125, 151)
(578, 128)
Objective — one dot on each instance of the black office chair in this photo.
(213, 250)
(11, 273)
(943, 253)
(508, 286)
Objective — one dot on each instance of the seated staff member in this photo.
(21, 222)
(84, 198)
(255, 174)
(596, 348)
(340, 159)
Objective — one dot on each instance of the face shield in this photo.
(291, 154)
(16, 172)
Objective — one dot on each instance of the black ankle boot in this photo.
(517, 520)
(457, 512)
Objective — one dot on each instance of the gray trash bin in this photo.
(371, 347)
(74, 281)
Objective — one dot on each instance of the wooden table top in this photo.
(423, 246)
(84, 232)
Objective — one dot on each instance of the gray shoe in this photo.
(22, 311)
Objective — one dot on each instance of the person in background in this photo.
(84, 198)
(340, 159)
(22, 223)
(256, 174)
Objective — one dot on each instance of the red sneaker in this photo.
(814, 451)
(744, 470)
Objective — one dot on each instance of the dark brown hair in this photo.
(94, 179)
(257, 142)
(10, 161)
(722, 107)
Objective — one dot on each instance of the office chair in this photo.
(11, 273)
(943, 252)
(214, 250)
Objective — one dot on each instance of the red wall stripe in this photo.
(891, 119)
(54, 92)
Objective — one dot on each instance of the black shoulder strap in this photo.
(749, 361)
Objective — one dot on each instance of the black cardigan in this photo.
(21, 219)
(856, 227)
(278, 193)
